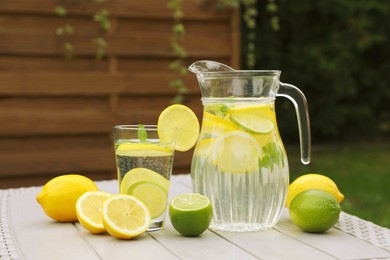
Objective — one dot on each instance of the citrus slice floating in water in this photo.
(154, 196)
(190, 213)
(138, 149)
(236, 152)
(142, 174)
(252, 123)
(125, 216)
(89, 210)
(178, 123)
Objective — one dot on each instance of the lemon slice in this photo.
(253, 123)
(142, 174)
(138, 149)
(89, 210)
(125, 216)
(203, 148)
(236, 152)
(179, 123)
(152, 195)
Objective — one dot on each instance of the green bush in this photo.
(337, 52)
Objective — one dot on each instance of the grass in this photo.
(361, 172)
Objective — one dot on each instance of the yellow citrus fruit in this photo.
(179, 123)
(125, 216)
(58, 196)
(236, 152)
(89, 210)
(313, 181)
(314, 210)
(190, 214)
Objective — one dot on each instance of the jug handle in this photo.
(296, 96)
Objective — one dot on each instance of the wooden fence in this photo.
(56, 115)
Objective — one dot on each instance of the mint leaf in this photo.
(142, 134)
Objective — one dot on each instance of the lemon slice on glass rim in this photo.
(178, 122)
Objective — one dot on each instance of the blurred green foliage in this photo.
(338, 53)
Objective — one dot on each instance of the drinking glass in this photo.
(144, 166)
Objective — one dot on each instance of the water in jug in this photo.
(239, 161)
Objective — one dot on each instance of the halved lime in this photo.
(154, 196)
(236, 152)
(142, 174)
(190, 213)
(139, 149)
(253, 123)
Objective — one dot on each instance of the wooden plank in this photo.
(193, 9)
(91, 84)
(60, 64)
(82, 116)
(30, 35)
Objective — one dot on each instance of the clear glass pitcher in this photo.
(239, 161)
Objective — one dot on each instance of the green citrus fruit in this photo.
(190, 214)
(314, 210)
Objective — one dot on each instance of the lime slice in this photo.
(142, 174)
(236, 152)
(190, 214)
(154, 196)
(252, 123)
(138, 149)
(178, 123)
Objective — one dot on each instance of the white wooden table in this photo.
(27, 233)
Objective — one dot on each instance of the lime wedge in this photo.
(252, 123)
(236, 152)
(138, 149)
(142, 174)
(178, 123)
(154, 196)
(190, 214)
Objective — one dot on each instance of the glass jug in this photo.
(239, 161)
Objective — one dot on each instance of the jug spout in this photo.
(204, 66)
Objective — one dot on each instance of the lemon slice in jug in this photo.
(236, 152)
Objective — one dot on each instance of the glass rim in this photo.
(135, 127)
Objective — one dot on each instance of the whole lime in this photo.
(314, 210)
(190, 214)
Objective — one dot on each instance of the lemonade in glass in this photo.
(144, 166)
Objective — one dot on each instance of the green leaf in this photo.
(142, 134)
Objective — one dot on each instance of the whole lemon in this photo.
(313, 181)
(314, 210)
(58, 196)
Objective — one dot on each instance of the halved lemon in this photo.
(89, 210)
(179, 123)
(125, 216)
(236, 152)
(142, 174)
